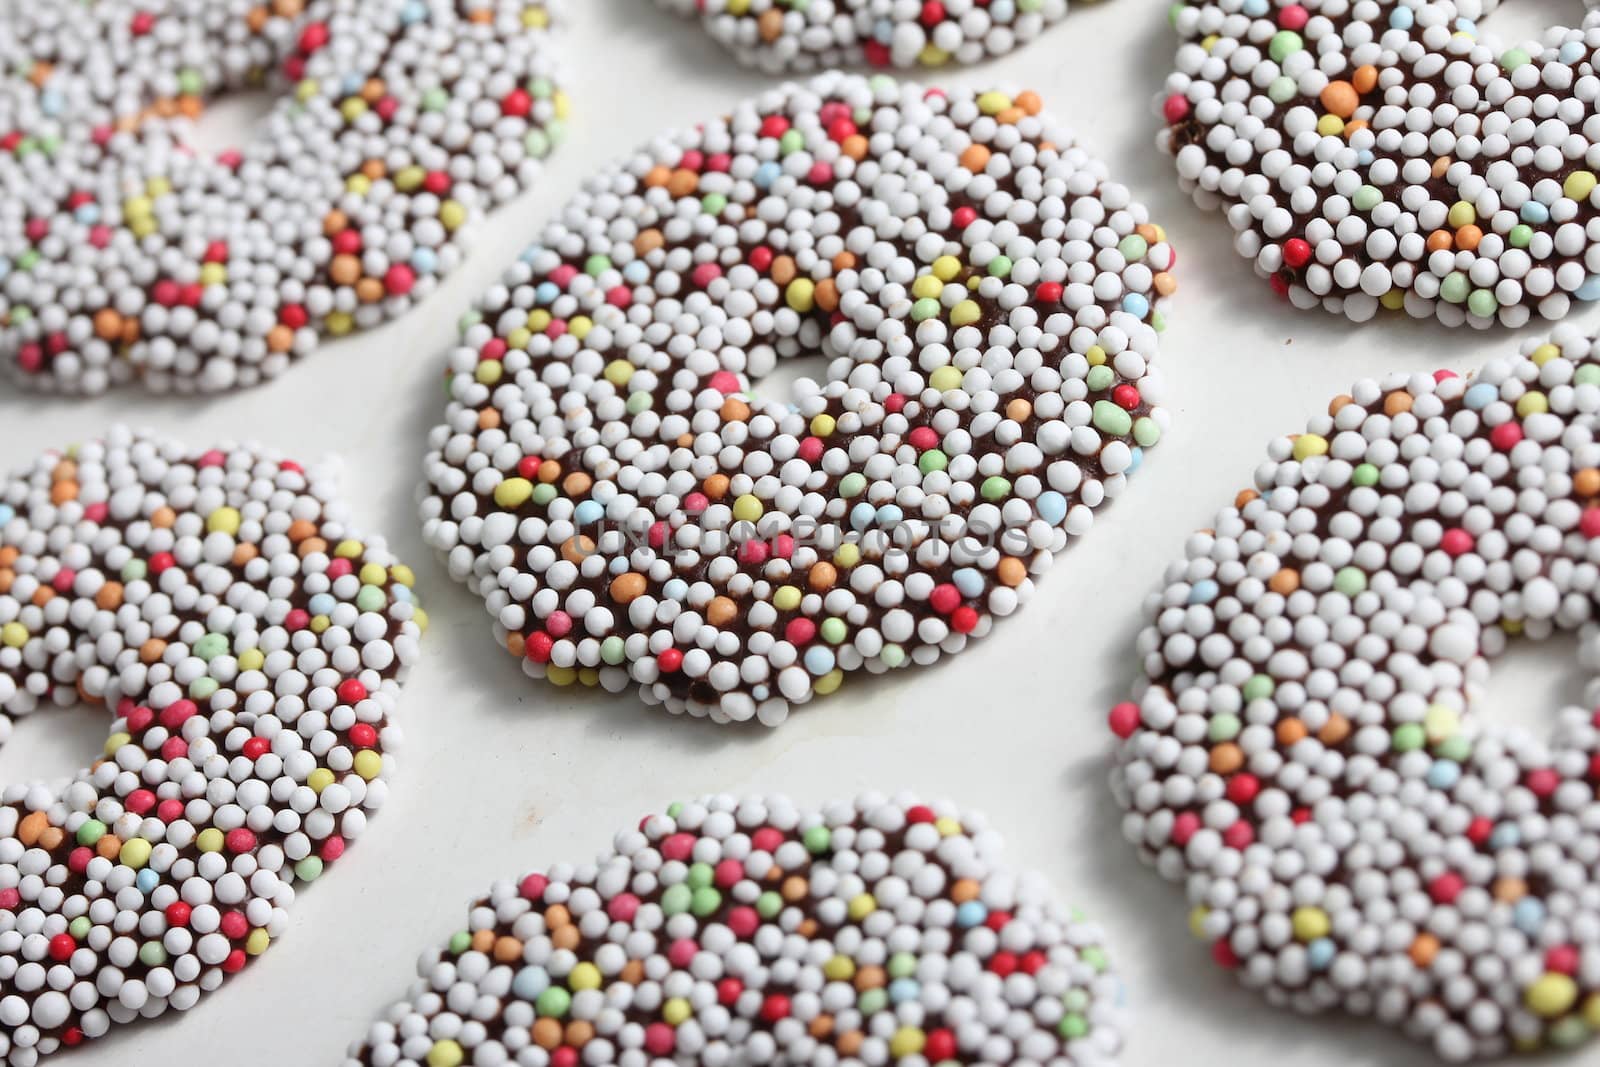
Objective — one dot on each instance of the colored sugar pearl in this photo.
(190, 827)
(127, 256)
(1308, 755)
(786, 35)
(795, 963)
(1392, 156)
(748, 553)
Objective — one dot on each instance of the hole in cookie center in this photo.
(1532, 681)
(778, 384)
(230, 120)
(52, 743)
(1516, 23)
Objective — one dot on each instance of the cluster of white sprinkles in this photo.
(1306, 754)
(632, 513)
(805, 35)
(744, 931)
(1387, 155)
(126, 255)
(250, 648)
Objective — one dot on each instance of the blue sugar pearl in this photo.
(424, 261)
(969, 581)
(1444, 774)
(588, 512)
(889, 516)
(1052, 507)
(530, 982)
(971, 913)
(1203, 592)
(321, 604)
(1136, 305)
(861, 515)
(819, 660)
(1320, 953)
(1480, 396)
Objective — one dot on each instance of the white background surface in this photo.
(500, 775)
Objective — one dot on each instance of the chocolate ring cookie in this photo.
(250, 648)
(126, 256)
(632, 513)
(1390, 155)
(1307, 755)
(750, 931)
(778, 35)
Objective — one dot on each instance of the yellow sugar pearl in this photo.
(1544, 354)
(1591, 1011)
(252, 659)
(518, 339)
(446, 1053)
(676, 1011)
(213, 274)
(992, 103)
(368, 764)
(114, 742)
(748, 508)
(400, 574)
(932, 56)
(580, 326)
(340, 323)
(319, 779)
(947, 826)
(209, 840)
(14, 634)
(1197, 921)
(822, 425)
(839, 968)
(349, 549)
(513, 492)
(538, 320)
(563, 104)
(560, 675)
(847, 555)
(1551, 995)
(1095, 355)
(452, 214)
(535, 18)
(158, 187)
(1532, 403)
(373, 574)
(135, 852)
(1579, 184)
(589, 676)
(828, 682)
(945, 379)
(1310, 444)
(489, 371)
(319, 623)
(1330, 125)
(223, 520)
(584, 976)
(801, 294)
(1394, 299)
(907, 1041)
(420, 617)
(1310, 923)
(787, 598)
(927, 287)
(257, 942)
(862, 905)
(359, 184)
(618, 371)
(1462, 214)
(945, 268)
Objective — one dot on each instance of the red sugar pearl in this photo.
(177, 913)
(351, 690)
(729, 990)
(533, 886)
(1456, 542)
(775, 1008)
(62, 946)
(670, 660)
(1296, 253)
(945, 598)
(1445, 888)
(1124, 719)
